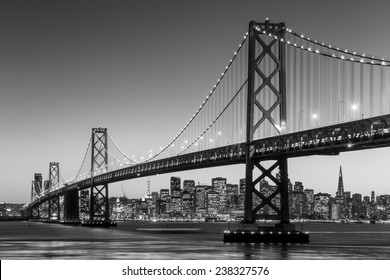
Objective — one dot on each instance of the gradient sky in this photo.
(141, 69)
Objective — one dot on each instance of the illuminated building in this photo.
(175, 186)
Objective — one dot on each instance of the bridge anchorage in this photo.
(259, 50)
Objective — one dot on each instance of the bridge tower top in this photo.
(99, 157)
(54, 175)
(274, 28)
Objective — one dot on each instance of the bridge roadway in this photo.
(330, 140)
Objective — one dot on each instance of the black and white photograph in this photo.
(172, 130)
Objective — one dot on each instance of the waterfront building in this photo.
(298, 200)
(372, 197)
(242, 186)
(175, 205)
(298, 187)
(340, 198)
(308, 204)
(322, 205)
(154, 197)
(164, 194)
(175, 186)
(219, 185)
(200, 199)
(187, 205)
(189, 186)
(335, 211)
(212, 203)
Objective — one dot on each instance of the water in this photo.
(25, 240)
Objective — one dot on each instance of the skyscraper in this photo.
(340, 186)
(219, 185)
(189, 186)
(339, 210)
(175, 186)
(372, 197)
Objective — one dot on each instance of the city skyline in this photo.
(209, 183)
(70, 67)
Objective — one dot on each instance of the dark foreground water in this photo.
(26, 240)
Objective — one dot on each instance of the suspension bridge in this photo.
(283, 94)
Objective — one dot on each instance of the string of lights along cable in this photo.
(325, 85)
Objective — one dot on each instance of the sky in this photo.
(141, 69)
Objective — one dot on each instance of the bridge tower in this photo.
(36, 191)
(262, 82)
(54, 183)
(99, 206)
(258, 81)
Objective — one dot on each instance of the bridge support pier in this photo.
(33, 214)
(71, 207)
(99, 208)
(54, 210)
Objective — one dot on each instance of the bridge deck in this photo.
(330, 140)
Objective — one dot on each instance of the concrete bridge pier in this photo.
(71, 207)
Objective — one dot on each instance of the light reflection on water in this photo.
(23, 240)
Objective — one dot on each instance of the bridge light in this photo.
(315, 116)
(349, 145)
(354, 107)
(219, 132)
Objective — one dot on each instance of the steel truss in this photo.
(35, 213)
(54, 176)
(258, 82)
(54, 209)
(99, 207)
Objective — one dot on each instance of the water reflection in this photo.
(51, 241)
